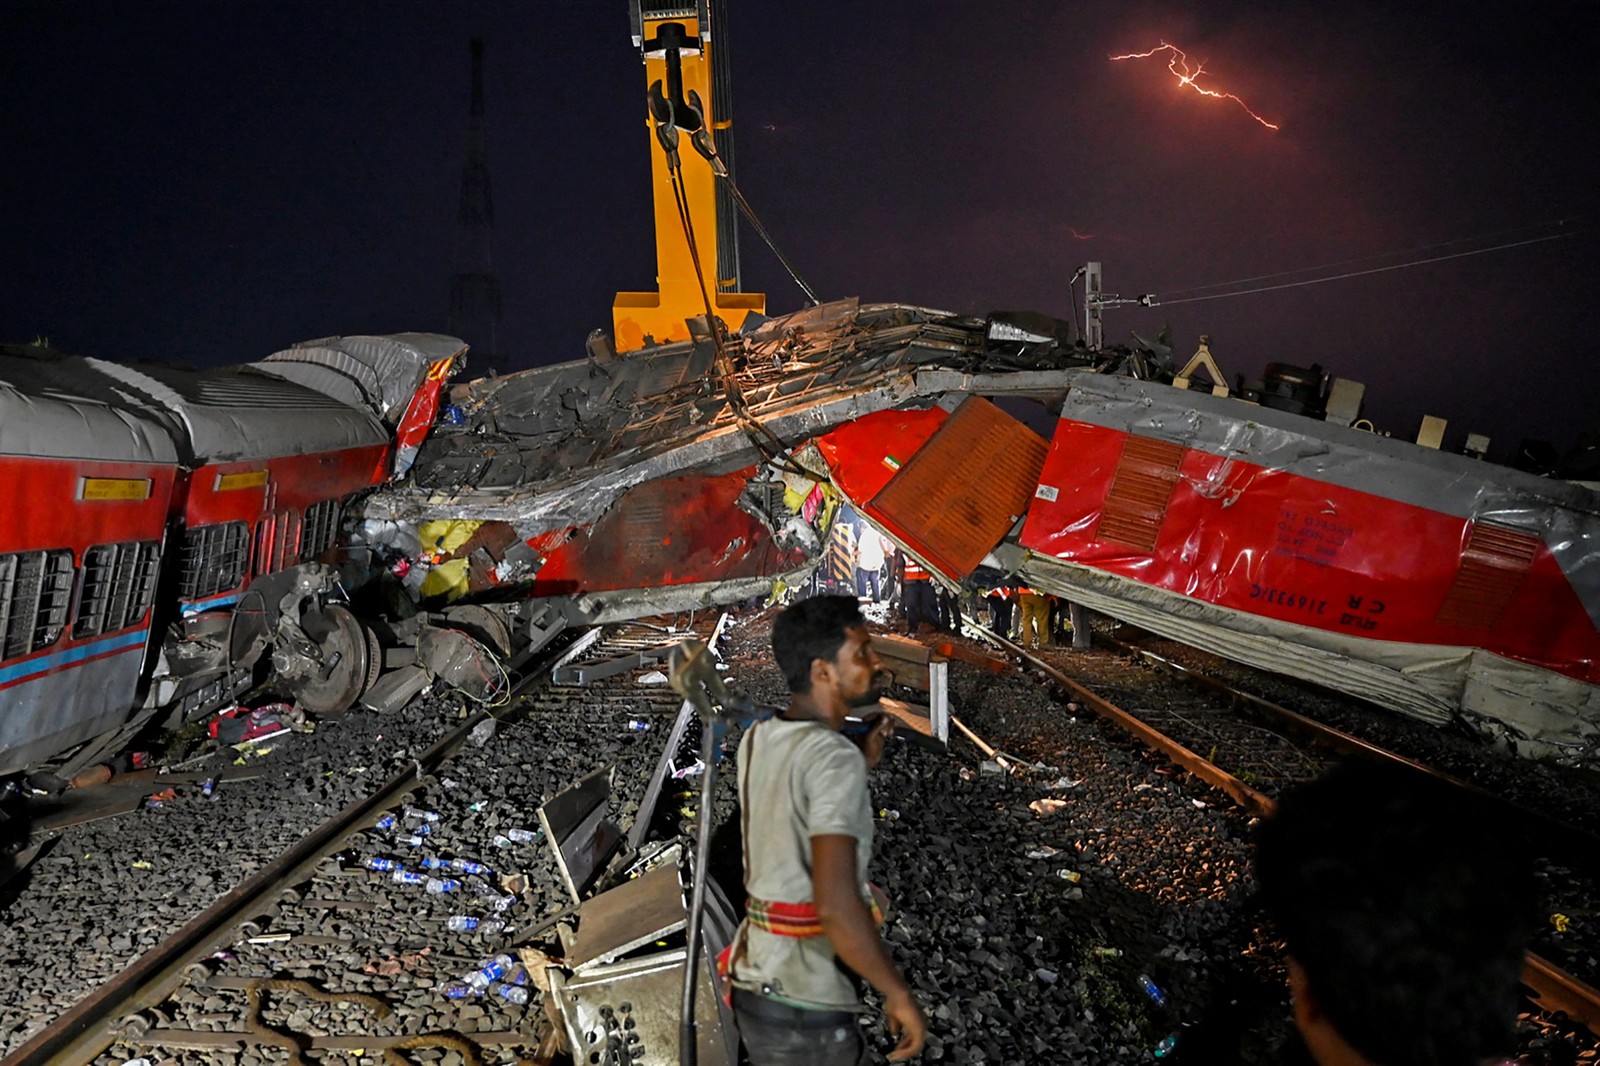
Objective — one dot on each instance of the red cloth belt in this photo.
(784, 919)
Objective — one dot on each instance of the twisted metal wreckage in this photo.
(700, 472)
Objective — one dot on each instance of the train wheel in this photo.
(346, 660)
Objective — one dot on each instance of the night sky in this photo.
(210, 182)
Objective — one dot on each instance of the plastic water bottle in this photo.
(490, 971)
(439, 885)
(515, 836)
(1168, 1042)
(414, 841)
(422, 830)
(637, 725)
(409, 877)
(435, 864)
(512, 994)
(467, 866)
(386, 822)
(496, 900)
(1153, 990)
(383, 865)
(461, 990)
(420, 815)
(465, 923)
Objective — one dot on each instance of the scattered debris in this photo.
(483, 732)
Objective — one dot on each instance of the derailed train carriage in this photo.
(170, 535)
(697, 473)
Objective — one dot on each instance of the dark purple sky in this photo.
(211, 182)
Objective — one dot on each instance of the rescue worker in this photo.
(1035, 618)
(998, 600)
(916, 593)
(807, 827)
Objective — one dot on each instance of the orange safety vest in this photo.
(914, 570)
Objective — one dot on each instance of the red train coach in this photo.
(171, 531)
(88, 481)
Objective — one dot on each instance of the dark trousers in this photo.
(917, 601)
(776, 1034)
(1000, 615)
(867, 578)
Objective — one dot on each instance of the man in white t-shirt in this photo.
(807, 823)
(869, 562)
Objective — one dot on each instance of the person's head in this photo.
(1405, 909)
(824, 640)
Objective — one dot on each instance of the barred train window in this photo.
(316, 535)
(213, 559)
(35, 592)
(119, 581)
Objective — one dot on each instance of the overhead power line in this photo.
(1164, 302)
(1494, 236)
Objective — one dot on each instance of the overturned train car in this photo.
(171, 536)
(696, 473)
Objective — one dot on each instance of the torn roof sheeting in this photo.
(378, 374)
(555, 446)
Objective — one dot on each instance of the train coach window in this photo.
(35, 591)
(213, 559)
(316, 535)
(119, 581)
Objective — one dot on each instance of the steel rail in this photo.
(91, 1025)
(1548, 986)
(1586, 851)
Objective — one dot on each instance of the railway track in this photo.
(248, 978)
(1013, 957)
(1252, 749)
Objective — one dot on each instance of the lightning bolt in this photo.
(1178, 63)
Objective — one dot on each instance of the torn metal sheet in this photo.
(623, 919)
(578, 831)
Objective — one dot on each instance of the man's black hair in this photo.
(809, 630)
(1408, 906)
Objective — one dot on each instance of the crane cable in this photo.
(765, 441)
(761, 231)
